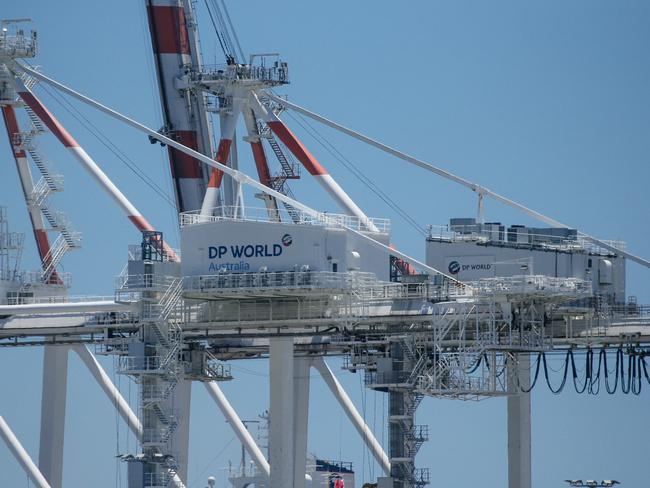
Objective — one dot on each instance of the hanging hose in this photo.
(630, 381)
(566, 369)
(575, 374)
(534, 382)
(477, 364)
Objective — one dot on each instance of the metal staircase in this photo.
(289, 169)
(38, 199)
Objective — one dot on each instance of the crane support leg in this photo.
(281, 418)
(21, 456)
(55, 385)
(301, 370)
(519, 426)
(180, 442)
(350, 410)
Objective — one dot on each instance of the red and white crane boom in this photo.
(176, 51)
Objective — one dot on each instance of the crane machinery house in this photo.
(257, 242)
(470, 251)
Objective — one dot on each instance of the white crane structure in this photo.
(285, 282)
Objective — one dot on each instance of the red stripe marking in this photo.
(403, 265)
(214, 177)
(295, 146)
(223, 151)
(168, 30)
(141, 223)
(261, 163)
(42, 244)
(11, 123)
(184, 165)
(48, 119)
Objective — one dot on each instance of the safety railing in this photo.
(131, 364)
(520, 237)
(34, 277)
(135, 253)
(67, 299)
(18, 45)
(298, 217)
(155, 436)
(277, 73)
(571, 288)
(153, 282)
(157, 480)
(277, 280)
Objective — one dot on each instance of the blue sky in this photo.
(545, 102)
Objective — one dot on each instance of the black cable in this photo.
(548, 382)
(611, 391)
(534, 382)
(225, 34)
(216, 31)
(596, 380)
(636, 373)
(645, 369)
(476, 364)
(625, 388)
(234, 32)
(575, 374)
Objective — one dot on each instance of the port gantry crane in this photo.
(172, 323)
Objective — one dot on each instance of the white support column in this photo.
(179, 402)
(110, 389)
(53, 400)
(281, 422)
(519, 438)
(21, 455)
(301, 370)
(350, 410)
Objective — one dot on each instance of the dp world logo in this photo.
(454, 267)
(287, 240)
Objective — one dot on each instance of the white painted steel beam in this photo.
(238, 427)
(53, 404)
(65, 307)
(353, 414)
(519, 425)
(21, 455)
(281, 410)
(481, 190)
(110, 389)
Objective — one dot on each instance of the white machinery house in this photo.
(471, 251)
